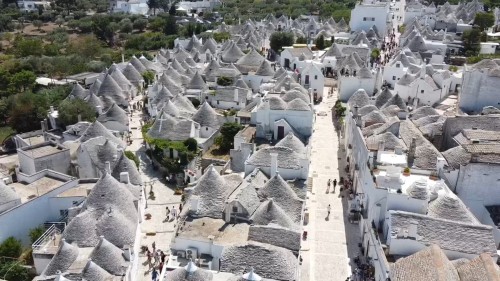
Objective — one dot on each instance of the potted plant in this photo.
(406, 171)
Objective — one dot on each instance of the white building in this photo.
(136, 7)
(46, 155)
(275, 118)
(312, 78)
(365, 15)
(488, 48)
(198, 5)
(33, 6)
(43, 197)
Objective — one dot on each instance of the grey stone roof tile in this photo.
(275, 235)
(449, 235)
(212, 191)
(425, 265)
(270, 261)
(284, 196)
(62, 260)
(270, 213)
(95, 273)
(207, 117)
(110, 258)
(450, 207)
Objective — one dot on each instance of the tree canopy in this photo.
(281, 39)
(484, 20)
(70, 109)
(227, 132)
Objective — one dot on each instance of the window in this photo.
(237, 103)
(217, 102)
(315, 77)
(235, 209)
(206, 129)
(397, 65)
(421, 91)
(393, 78)
(368, 19)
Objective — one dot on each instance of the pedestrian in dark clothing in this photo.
(334, 183)
(162, 255)
(180, 208)
(154, 275)
(154, 246)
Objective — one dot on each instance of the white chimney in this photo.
(107, 167)
(99, 109)
(127, 253)
(235, 95)
(42, 124)
(227, 216)
(124, 177)
(274, 164)
(195, 202)
(123, 58)
(79, 118)
(51, 109)
(412, 229)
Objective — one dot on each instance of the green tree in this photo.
(221, 36)
(224, 81)
(23, 80)
(36, 233)
(104, 28)
(140, 24)
(173, 10)
(148, 76)
(11, 247)
(70, 109)
(281, 39)
(170, 27)
(375, 54)
(38, 24)
(191, 144)
(126, 25)
(301, 40)
(484, 20)
(153, 5)
(471, 39)
(14, 271)
(320, 42)
(24, 47)
(87, 46)
(59, 21)
(227, 132)
(130, 155)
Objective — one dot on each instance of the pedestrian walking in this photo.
(154, 246)
(154, 275)
(148, 254)
(156, 256)
(180, 208)
(167, 213)
(334, 183)
(162, 256)
(329, 208)
(328, 185)
(174, 213)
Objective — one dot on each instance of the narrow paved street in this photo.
(331, 240)
(156, 229)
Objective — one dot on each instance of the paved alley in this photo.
(331, 240)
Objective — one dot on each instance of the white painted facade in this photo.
(199, 5)
(30, 163)
(392, 73)
(311, 77)
(265, 119)
(364, 16)
(33, 6)
(488, 48)
(136, 7)
(38, 210)
(347, 85)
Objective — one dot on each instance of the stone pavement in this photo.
(331, 240)
(157, 229)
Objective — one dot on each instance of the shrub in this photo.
(11, 248)
(224, 81)
(130, 155)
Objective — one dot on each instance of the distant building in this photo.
(364, 16)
